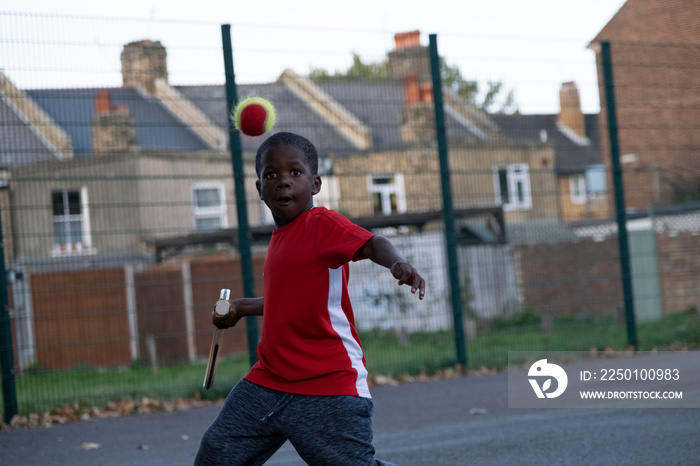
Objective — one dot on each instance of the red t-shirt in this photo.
(309, 344)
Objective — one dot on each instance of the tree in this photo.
(471, 92)
(358, 71)
(489, 101)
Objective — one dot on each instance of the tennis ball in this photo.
(254, 116)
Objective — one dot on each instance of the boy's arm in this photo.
(238, 309)
(381, 251)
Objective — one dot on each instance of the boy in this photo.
(310, 383)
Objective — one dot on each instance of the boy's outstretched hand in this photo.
(378, 249)
(405, 273)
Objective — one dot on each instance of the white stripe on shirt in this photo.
(341, 325)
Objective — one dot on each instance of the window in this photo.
(71, 222)
(596, 184)
(388, 194)
(512, 187)
(209, 206)
(589, 185)
(577, 189)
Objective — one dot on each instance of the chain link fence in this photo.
(119, 217)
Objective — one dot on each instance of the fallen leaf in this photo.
(90, 446)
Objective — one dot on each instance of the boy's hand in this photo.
(405, 273)
(226, 320)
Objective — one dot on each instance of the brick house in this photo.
(574, 136)
(143, 163)
(515, 161)
(655, 51)
(378, 135)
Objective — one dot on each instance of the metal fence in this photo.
(573, 228)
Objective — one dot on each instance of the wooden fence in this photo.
(107, 317)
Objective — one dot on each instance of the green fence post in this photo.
(239, 180)
(9, 393)
(622, 237)
(447, 207)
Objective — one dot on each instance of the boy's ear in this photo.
(316, 185)
(257, 186)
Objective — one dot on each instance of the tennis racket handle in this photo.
(222, 305)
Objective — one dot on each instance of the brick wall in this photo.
(679, 270)
(584, 278)
(570, 278)
(657, 101)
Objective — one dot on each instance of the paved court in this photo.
(447, 422)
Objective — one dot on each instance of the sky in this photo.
(530, 46)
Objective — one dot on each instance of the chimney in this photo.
(426, 92)
(417, 114)
(102, 102)
(112, 127)
(142, 63)
(410, 62)
(411, 88)
(570, 114)
(418, 122)
(407, 39)
(408, 57)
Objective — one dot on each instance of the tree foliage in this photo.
(358, 71)
(471, 91)
(491, 100)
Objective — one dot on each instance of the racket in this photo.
(221, 307)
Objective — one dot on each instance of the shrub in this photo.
(526, 318)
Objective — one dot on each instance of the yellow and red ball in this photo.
(254, 116)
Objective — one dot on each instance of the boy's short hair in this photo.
(290, 139)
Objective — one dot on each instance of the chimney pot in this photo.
(426, 92)
(411, 88)
(102, 102)
(407, 39)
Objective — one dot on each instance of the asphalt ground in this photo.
(460, 421)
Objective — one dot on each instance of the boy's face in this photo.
(286, 183)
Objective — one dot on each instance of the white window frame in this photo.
(517, 176)
(577, 189)
(219, 211)
(386, 190)
(84, 246)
